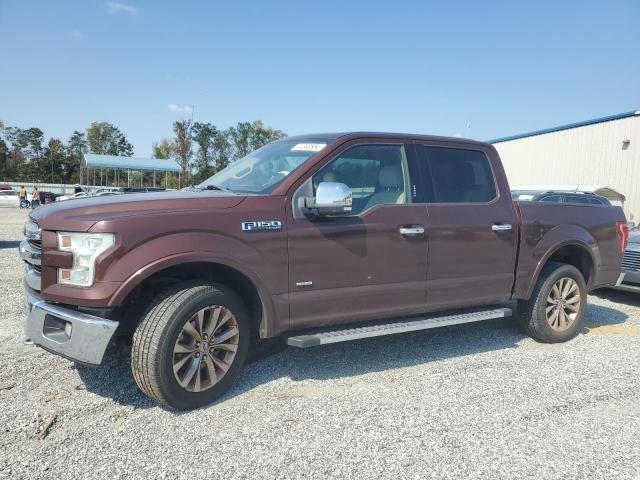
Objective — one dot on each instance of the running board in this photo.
(397, 326)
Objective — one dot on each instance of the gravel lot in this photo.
(476, 401)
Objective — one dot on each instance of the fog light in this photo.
(57, 329)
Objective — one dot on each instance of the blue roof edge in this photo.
(569, 126)
(92, 160)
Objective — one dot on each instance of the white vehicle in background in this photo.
(71, 197)
(9, 198)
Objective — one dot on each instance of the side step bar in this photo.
(397, 326)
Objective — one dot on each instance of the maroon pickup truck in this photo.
(318, 238)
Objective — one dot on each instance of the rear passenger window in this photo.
(460, 175)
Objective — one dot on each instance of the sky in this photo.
(479, 69)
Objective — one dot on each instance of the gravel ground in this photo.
(476, 401)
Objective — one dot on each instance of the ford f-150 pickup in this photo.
(319, 239)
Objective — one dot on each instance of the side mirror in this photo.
(332, 199)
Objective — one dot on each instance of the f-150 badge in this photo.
(274, 225)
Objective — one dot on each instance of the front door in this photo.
(371, 264)
(472, 230)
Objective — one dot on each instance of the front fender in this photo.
(141, 262)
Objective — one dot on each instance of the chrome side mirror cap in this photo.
(332, 199)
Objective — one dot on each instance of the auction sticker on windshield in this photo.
(308, 147)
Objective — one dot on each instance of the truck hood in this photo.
(79, 215)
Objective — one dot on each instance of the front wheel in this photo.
(556, 308)
(191, 345)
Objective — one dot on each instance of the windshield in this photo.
(262, 170)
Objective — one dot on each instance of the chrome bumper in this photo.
(628, 276)
(72, 334)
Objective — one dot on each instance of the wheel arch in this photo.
(571, 252)
(201, 265)
(566, 243)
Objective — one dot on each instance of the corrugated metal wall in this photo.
(589, 155)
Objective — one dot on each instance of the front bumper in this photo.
(75, 335)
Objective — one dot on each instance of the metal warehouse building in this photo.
(603, 151)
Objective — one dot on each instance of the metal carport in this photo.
(93, 162)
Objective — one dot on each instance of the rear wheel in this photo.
(555, 310)
(191, 345)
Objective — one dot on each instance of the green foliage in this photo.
(54, 161)
(24, 155)
(106, 139)
(182, 146)
(162, 149)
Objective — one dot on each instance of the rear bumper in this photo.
(75, 335)
(628, 281)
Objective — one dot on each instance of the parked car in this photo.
(630, 277)
(320, 239)
(140, 189)
(73, 196)
(9, 198)
(106, 193)
(555, 196)
(612, 195)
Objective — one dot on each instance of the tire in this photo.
(164, 329)
(532, 313)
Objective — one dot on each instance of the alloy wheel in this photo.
(563, 304)
(205, 348)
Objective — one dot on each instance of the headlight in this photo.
(86, 247)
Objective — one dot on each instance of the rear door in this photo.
(471, 228)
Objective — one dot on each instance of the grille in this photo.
(37, 244)
(33, 235)
(631, 260)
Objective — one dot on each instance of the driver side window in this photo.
(376, 174)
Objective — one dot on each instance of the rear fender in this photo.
(537, 246)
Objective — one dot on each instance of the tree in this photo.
(27, 142)
(77, 144)
(107, 139)
(4, 160)
(249, 136)
(26, 151)
(222, 150)
(76, 147)
(162, 149)
(182, 146)
(204, 135)
(239, 136)
(261, 135)
(54, 157)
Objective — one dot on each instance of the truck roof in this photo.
(358, 134)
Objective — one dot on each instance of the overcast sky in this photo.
(412, 66)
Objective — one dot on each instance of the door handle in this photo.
(412, 231)
(501, 227)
